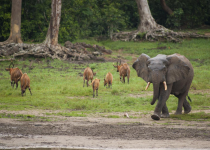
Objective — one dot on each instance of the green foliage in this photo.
(35, 20)
(174, 20)
(98, 18)
(5, 17)
(194, 14)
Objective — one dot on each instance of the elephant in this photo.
(170, 74)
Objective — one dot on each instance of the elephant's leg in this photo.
(182, 98)
(165, 113)
(161, 104)
(187, 107)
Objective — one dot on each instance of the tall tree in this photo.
(149, 29)
(147, 22)
(53, 30)
(15, 25)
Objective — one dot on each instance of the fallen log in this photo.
(157, 34)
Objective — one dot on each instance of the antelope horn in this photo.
(165, 85)
(147, 86)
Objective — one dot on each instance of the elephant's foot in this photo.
(177, 113)
(186, 111)
(155, 117)
(165, 116)
(187, 107)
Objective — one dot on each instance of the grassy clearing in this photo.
(59, 85)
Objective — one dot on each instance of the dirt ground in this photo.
(104, 133)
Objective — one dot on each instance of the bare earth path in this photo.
(105, 133)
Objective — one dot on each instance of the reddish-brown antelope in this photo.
(124, 71)
(88, 75)
(95, 86)
(108, 80)
(15, 75)
(25, 83)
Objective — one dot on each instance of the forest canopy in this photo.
(96, 18)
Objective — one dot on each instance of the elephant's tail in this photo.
(189, 99)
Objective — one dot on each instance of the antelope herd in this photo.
(123, 69)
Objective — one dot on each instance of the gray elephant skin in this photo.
(170, 74)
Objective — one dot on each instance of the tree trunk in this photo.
(111, 31)
(53, 30)
(147, 22)
(15, 26)
(150, 30)
(165, 7)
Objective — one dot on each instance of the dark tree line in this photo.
(97, 18)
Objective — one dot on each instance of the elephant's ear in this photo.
(140, 65)
(177, 69)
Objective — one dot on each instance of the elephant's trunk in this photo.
(155, 92)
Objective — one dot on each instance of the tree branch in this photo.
(165, 7)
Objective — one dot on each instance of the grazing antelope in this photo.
(88, 75)
(108, 80)
(25, 83)
(95, 86)
(123, 70)
(15, 75)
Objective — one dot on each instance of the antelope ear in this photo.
(177, 69)
(140, 65)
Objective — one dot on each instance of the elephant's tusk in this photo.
(147, 86)
(165, 85)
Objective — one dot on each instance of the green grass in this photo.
(201, 116)
(61, 86)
